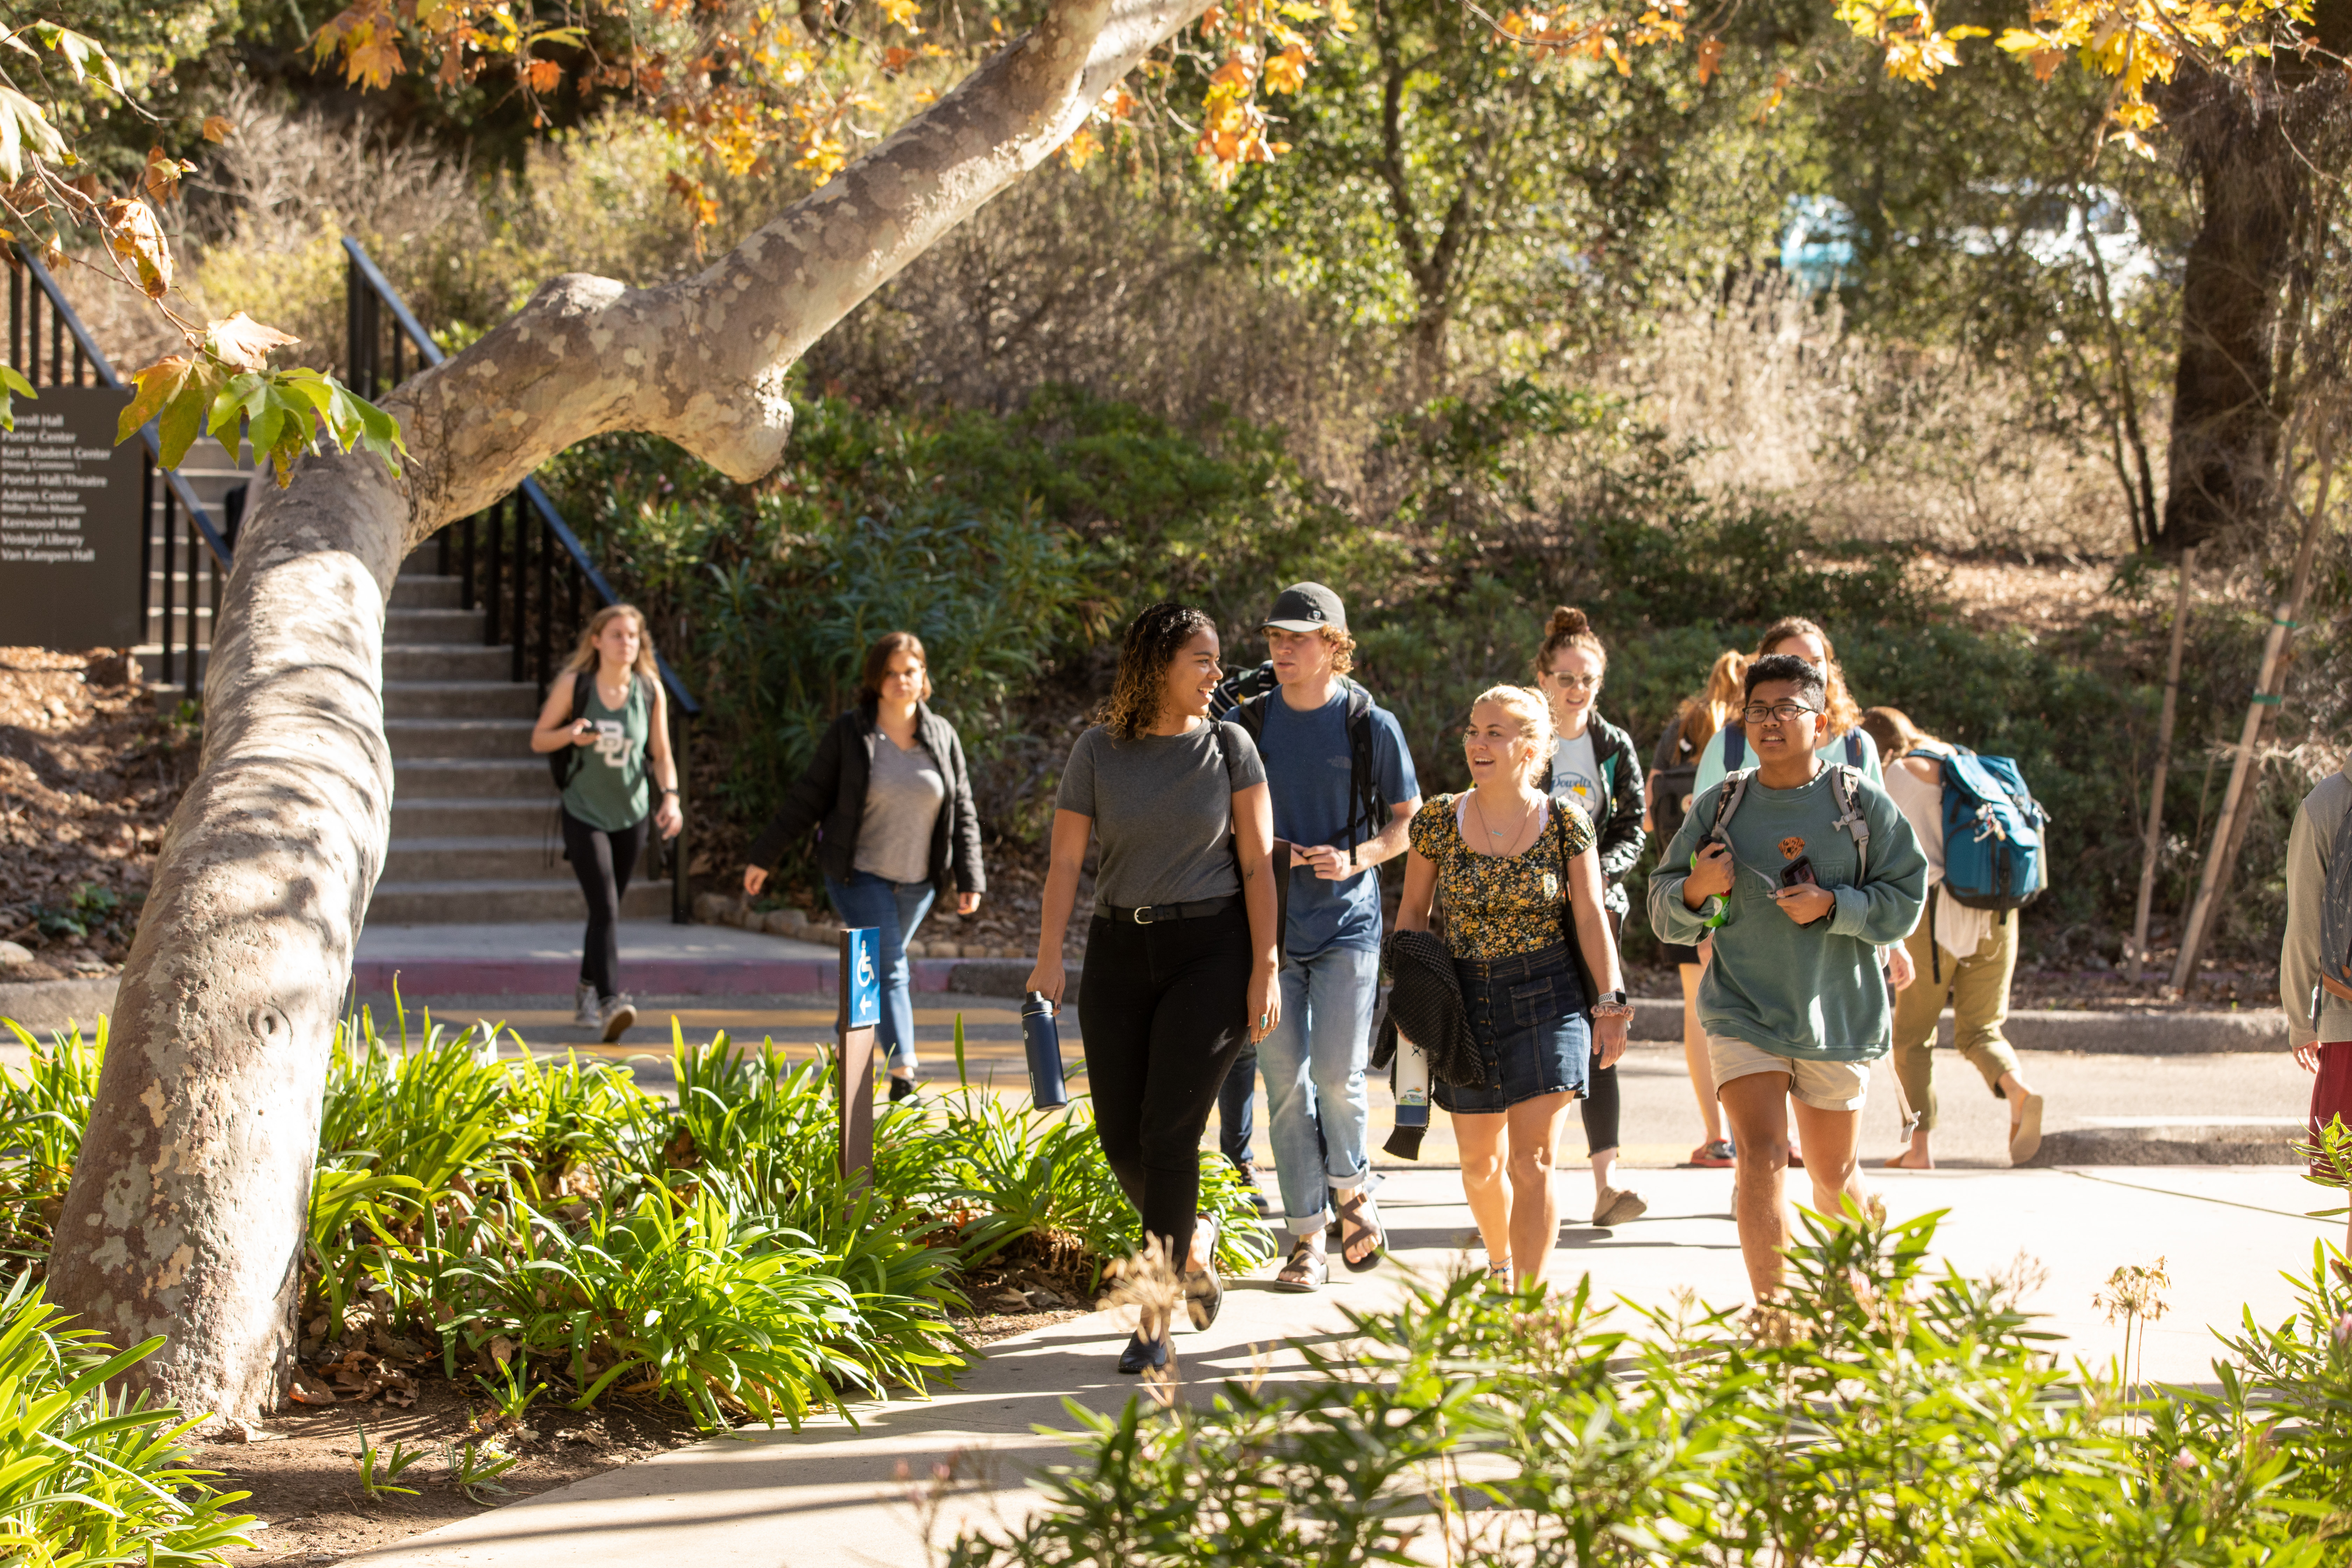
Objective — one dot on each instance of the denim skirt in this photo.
(1527, 1019)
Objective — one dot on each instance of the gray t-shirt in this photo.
(904, 791)
(1163, 811)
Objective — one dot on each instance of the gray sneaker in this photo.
(620, 1012)
(589, 1015)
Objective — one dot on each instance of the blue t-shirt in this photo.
(1307, 773)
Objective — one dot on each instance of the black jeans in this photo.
(602, 861)
(1163, 1009)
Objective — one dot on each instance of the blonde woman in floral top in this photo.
(1514, 872)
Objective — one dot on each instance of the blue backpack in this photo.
(1993, 849)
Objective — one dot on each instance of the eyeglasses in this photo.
(1786, 712)
(1581, 682)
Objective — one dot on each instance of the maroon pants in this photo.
(2331, 1096)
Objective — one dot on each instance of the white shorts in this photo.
(1825, 1086)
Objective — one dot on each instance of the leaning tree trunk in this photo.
(186, 1217)
(2252, 185)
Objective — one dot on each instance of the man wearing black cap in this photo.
(1344, 791)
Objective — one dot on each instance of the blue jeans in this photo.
(1318, 1113)
(894, 910)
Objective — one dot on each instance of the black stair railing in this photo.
(517, 559)
(185, 557)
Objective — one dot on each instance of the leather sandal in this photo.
(1353, 1230)
(1309, 1268)
(1204, 1293)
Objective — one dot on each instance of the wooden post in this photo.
(861, 1010)
(2237, 798)
(2163, 766)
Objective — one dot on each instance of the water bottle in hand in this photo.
(1042, 1039)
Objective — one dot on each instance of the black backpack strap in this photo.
(1735, 748)
(1853, 748)
(1363, 778)
(1251, 716)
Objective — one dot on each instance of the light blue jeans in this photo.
(894, 910)
(1318, 1113)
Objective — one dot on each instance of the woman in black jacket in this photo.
(891, 803)
(1596, 768)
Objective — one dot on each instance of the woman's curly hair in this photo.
(1152, 643)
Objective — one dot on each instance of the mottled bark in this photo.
(2227, 416)
(186, 1216)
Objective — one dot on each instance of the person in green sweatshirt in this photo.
(1810, 872)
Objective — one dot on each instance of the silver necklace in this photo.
(1517, 827)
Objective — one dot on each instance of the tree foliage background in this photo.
(1462, 313)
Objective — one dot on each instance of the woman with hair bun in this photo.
(1533, 962)
(1183, 949)
(1594, 765)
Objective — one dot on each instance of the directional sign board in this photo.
(861, 1010)
(72, 535)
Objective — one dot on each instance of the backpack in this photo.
(1993, 852)
(1252, 692)
(2336, 922)
(1674, 783)
(562, 764)
(1735, 748)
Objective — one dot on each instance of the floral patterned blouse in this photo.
(1499, 906)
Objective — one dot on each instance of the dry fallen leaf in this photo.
(304, 1389)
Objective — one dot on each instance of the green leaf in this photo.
(13, 385)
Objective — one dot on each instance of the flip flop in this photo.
(1355, 1230)
(1308, 1269)
(1902, 1163)
(2025, 1138)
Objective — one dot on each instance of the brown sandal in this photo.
(1353, 1229)
(1306, 1270)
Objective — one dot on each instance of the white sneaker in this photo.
(619, 1014)
(589, 1015)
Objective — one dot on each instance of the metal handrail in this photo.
(430, 353)
(88, 347)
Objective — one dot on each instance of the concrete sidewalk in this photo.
(833, 1495)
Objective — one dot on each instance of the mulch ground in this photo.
(302, 1466)
(91, 766)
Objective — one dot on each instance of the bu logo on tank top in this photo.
(611, 742)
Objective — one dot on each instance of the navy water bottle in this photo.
(1043, 1038)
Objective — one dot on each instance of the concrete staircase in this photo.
(474, 833)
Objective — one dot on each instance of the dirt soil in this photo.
(302, 1467)
(91, 766)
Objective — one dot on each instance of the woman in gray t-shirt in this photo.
(1181, 950)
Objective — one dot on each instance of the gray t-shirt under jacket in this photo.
(904, 791)
(1163, 811)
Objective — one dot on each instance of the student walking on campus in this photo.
(1801, 870)
(1959, 955)
(1673, 786)
(890, 800)
(1594, 765)
(607, 717)
(1518, 876)
(1184, 944)
(2316, 960)
(1343, 791)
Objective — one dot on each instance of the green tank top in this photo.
(608, 788)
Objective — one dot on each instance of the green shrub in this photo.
(41, 1121)
(88, 1476)
(1879, 1414)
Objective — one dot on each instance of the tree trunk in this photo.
(2252, 185)
(186, 1213)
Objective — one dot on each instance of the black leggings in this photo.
(1599, 1106)
(602, 861)
(1163, 1010)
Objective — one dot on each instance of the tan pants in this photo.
(1976, 987)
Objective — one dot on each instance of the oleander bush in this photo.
(546, 1220)
(1881, 1414)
